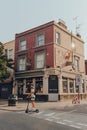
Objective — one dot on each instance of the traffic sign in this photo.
(78, 79)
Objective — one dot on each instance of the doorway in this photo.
(53, 88)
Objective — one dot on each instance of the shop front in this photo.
(69, 87)
(45, 82)
(23, 87)
(6, 90)
(50, 85)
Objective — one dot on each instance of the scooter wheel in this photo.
(26, 111)
(37, 110)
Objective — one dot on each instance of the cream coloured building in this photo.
(71, 65)
(9, 48)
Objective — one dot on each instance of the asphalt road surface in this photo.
(68, 118)
(16, 121)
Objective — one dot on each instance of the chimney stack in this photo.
(62, 24)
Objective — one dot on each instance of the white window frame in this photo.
(65, 85)
(71, 85)
(39, 60)
(22, 45)
(57, 38)
(22, 63)
(40, 40)
(10, 54)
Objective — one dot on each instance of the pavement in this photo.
(21, 105)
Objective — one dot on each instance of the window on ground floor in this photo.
(28, 81)
(83, 87)
(71, 85)
(65, 85)
(77, 89)
(38, 84)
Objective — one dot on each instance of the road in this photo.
(67, 118)
(23, 121)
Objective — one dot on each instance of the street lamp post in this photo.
(73, 48)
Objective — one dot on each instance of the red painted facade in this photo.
(30, 37)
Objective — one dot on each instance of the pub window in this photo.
(77, 89)
(71, 84)
(39, 85)
(27, 88)
(65, 85)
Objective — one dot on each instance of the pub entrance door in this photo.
(53, 88)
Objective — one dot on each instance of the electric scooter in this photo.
(27, 109)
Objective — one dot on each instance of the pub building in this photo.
(51, 57)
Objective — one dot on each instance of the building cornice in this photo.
(35, 29)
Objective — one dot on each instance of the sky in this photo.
(17, 16)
